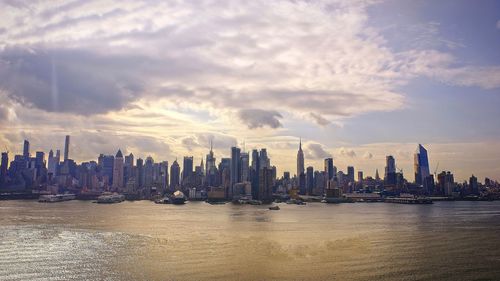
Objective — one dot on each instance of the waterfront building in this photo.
(309, 180)
(245, 168)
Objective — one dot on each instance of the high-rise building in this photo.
(390, 170)
(139, 163)
(235, 169)
(310, 180)
(329, 168)
(265, 184)
(107, 163)
(360, 176)
(211, 176)
(264, 159)
(446, 183)
(148, 172)
(421, 165)
(66, 149)
(350, 174)
(300, 160)
(175, 172)
(26, 150)
(473, 185)
(187, 168)
(254, 174)
(117, 170)
(4, 164)
(245, 168)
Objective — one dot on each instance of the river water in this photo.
(80, 240)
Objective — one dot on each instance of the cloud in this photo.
(67, 80)
(346, 152)
(498, 24)
(202, 140)
(257, 118)
(367, 155)
(316, 151)
(320, 120)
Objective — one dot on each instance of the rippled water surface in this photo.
(80, 240)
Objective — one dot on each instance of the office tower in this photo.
(187, 168)
(163, 180)
(377, 177)
(211, 178)
(117, 171)
(360, 176)
(421, 164)
(235, 169)
(319, 182)
(264, 159)
(148, 171)
(139, 163)
(446, 183)
(175, 172)
(390, 170)
(254, 174)
(51, 167)
(329, 168)
(66, 149)
(300, 160)
(107, 163)
(350, 174)
(309, 180)
(245, 168)
(26, 150)
(265, 184)
(128, 168)
(473, 185)
(4, 164)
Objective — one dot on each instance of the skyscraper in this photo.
(66, 149)
(310, 180)
(4, 164)
(175, 171)
(300, 160)
(350, 174)
(235, 169)
(187, 168)
(117, 169)
(329, 168)
(245, 169)
(421, 164)
(26, 150)
(254, 174)
(390, 170)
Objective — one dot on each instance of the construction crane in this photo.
(435, 170)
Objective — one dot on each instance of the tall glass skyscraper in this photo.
(421, 164)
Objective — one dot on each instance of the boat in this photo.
(164, 200)
(51, 198)
(178, 198)
(110, 198)
(274, 208)
(255, 202)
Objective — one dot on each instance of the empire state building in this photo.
(300, 160)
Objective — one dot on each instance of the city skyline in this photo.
(168, 79)
(421, 167)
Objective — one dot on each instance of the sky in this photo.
(356, 80)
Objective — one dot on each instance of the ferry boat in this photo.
(274, 208)
(164, 200)
(109, 198)
(51, 198)
(178, 198)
